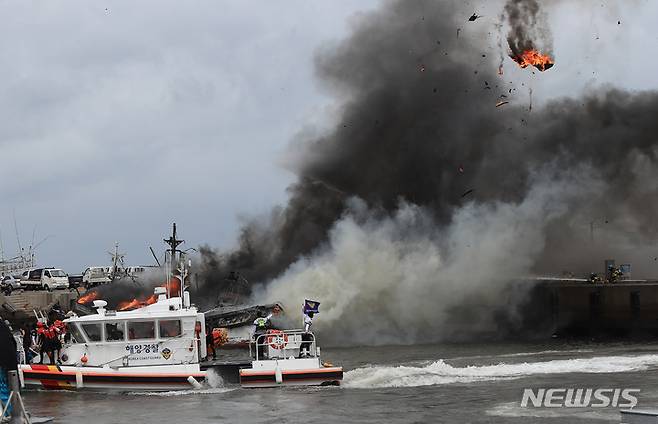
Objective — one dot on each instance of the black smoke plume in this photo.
(378, 227)
(528, 28)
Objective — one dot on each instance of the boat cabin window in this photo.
(93, 332)
(141, 330)
(76, 335)
(114, 331)
(170, 328)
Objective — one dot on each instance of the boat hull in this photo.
(330, 376)
(55, 377)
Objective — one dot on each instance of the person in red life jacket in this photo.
(48, 345)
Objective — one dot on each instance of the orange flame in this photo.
(534, 58)
(88, 298)
(132, 304)
(174, 287)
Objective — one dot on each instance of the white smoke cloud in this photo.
(402, 279)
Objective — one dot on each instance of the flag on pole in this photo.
(311, 306)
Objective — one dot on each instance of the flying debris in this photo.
(467, 192)
(501, 103)
(529, 39)
(534, 58)
(473, 17)
(530, 95)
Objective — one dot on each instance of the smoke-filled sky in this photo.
(120, 117)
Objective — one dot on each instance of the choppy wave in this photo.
(517, 354)
(440, 372)
(214, 384)
(209, 391)
(514, 410)
(549, 352)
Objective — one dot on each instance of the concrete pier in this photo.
(620, 309)
(21, 303)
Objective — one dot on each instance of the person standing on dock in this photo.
(7, 360)
(27, 344)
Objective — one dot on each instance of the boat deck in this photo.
(228, 365)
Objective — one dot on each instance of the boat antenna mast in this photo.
(173, 243)
(117, 259)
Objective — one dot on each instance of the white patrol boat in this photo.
(156, 347)
(288, 358)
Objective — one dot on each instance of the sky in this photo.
(118, 118)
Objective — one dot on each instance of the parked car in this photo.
(9, 283)
(45, 278)
(75, 281)
(95, 275)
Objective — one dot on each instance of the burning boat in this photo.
(153, 347)
(231, 321)
(232, 326)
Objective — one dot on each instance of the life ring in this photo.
(277, 339)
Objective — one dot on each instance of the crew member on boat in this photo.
(41, 340)
(57, 330)
(305, 346)
(49, 344)
(309, 309)
(210, 342)
(261, 325)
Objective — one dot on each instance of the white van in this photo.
(95, 275)
(45, 278)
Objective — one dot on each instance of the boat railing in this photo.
(281, 344)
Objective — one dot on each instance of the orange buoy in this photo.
(84, 359)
